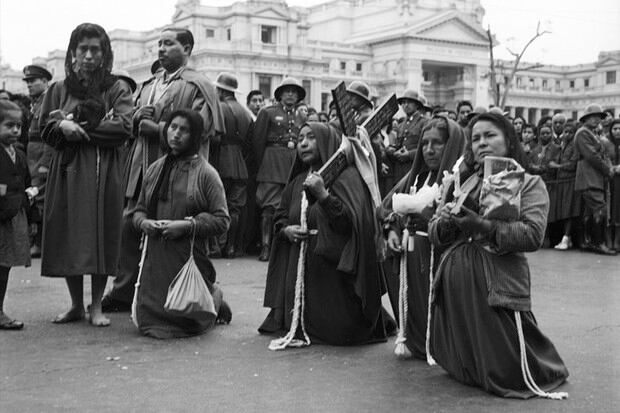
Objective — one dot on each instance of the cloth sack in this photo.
(188, 294)
(500, 195)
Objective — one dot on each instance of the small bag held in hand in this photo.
(188, 294)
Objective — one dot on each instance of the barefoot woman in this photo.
(81, 232)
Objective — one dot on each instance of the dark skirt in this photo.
(477, 344)
(418, 267)
(568, 203)
(552, 190)
(164, 259)
(614, 204)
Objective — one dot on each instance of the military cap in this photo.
(290, 82)
(36, 72)
(227, 81)
(361, 90)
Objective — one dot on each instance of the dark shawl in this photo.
(357, 257)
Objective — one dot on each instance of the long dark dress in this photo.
(335, 311)
(473, 332)
(164, 259)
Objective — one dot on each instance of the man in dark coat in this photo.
(275, 141)
(38, 153)
(592, 170)
(231, 162)
(409, 132)
(174, 87)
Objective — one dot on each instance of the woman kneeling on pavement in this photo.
(178, 186)
(440, 147)
(483, 332)
(340, 270)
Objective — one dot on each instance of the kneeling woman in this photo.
(179, 185)
(482, 330)
(340, 272)
(440, 146)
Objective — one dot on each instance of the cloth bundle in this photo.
(500, 196)
(415, 203)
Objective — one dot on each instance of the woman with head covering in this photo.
(182, 195)
(614, 138)
(341, 304)
(86, 118)
(440, 146)
(482, 329)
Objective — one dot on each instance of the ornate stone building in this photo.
(436, 46)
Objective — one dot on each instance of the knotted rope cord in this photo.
(525, 368)
(429, 358)
(134, 303)
(401, 349)
(289, 339)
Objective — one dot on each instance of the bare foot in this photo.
(97, 319)
(74, 314)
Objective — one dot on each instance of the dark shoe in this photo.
(224, 316)
(602, 249)
(9, 324)
(110, 305)
(35, 251)
(264, 253)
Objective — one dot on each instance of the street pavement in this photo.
(80, 368)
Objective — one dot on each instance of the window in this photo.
(264, 85)
(210, 33)
(307, 85)
(268, 34)
(325, 97)
(610, 77)
(228, 34)
(586, 82)
(358, 67)
(545, 84)
(558, 84)
(575, 115)
(531, 82)
(426, 76)
(571, 84)
(343, 65)
(518, 82)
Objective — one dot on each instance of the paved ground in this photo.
(45, 367)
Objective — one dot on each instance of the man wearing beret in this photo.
(38, 153)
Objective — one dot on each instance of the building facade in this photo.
(438, 47)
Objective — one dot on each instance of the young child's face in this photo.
(10, 127)
(527, 135)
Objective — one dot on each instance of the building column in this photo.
(537, 115)
(481, 95)
(413, 72)
(513, 112)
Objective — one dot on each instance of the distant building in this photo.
(438, 47)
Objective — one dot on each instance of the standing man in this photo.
(231, 163)
(38, 153)
(592, 170)
(275, 142)
(557, 122)
(176, 86)
(255, 102)
(409, 132)
(463, 109)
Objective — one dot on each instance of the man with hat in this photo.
(230, 161)
(38, 153)
(592, 170)
(174, 86)
(275, 142)
(408, 134)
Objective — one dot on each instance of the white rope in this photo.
(289, 339)
(525, 368)
(429, 358)
(401, 349)
(134, 303)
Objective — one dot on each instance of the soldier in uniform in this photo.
(173, 87)
(403, 152)
(38, 153)
(275, 142)
(231, 163)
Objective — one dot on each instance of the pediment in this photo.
(453, 29)
(272, 13)
(609, 61)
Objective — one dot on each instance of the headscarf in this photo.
(615, 141)
(196, 128)
(327, 141)
(102, 79)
